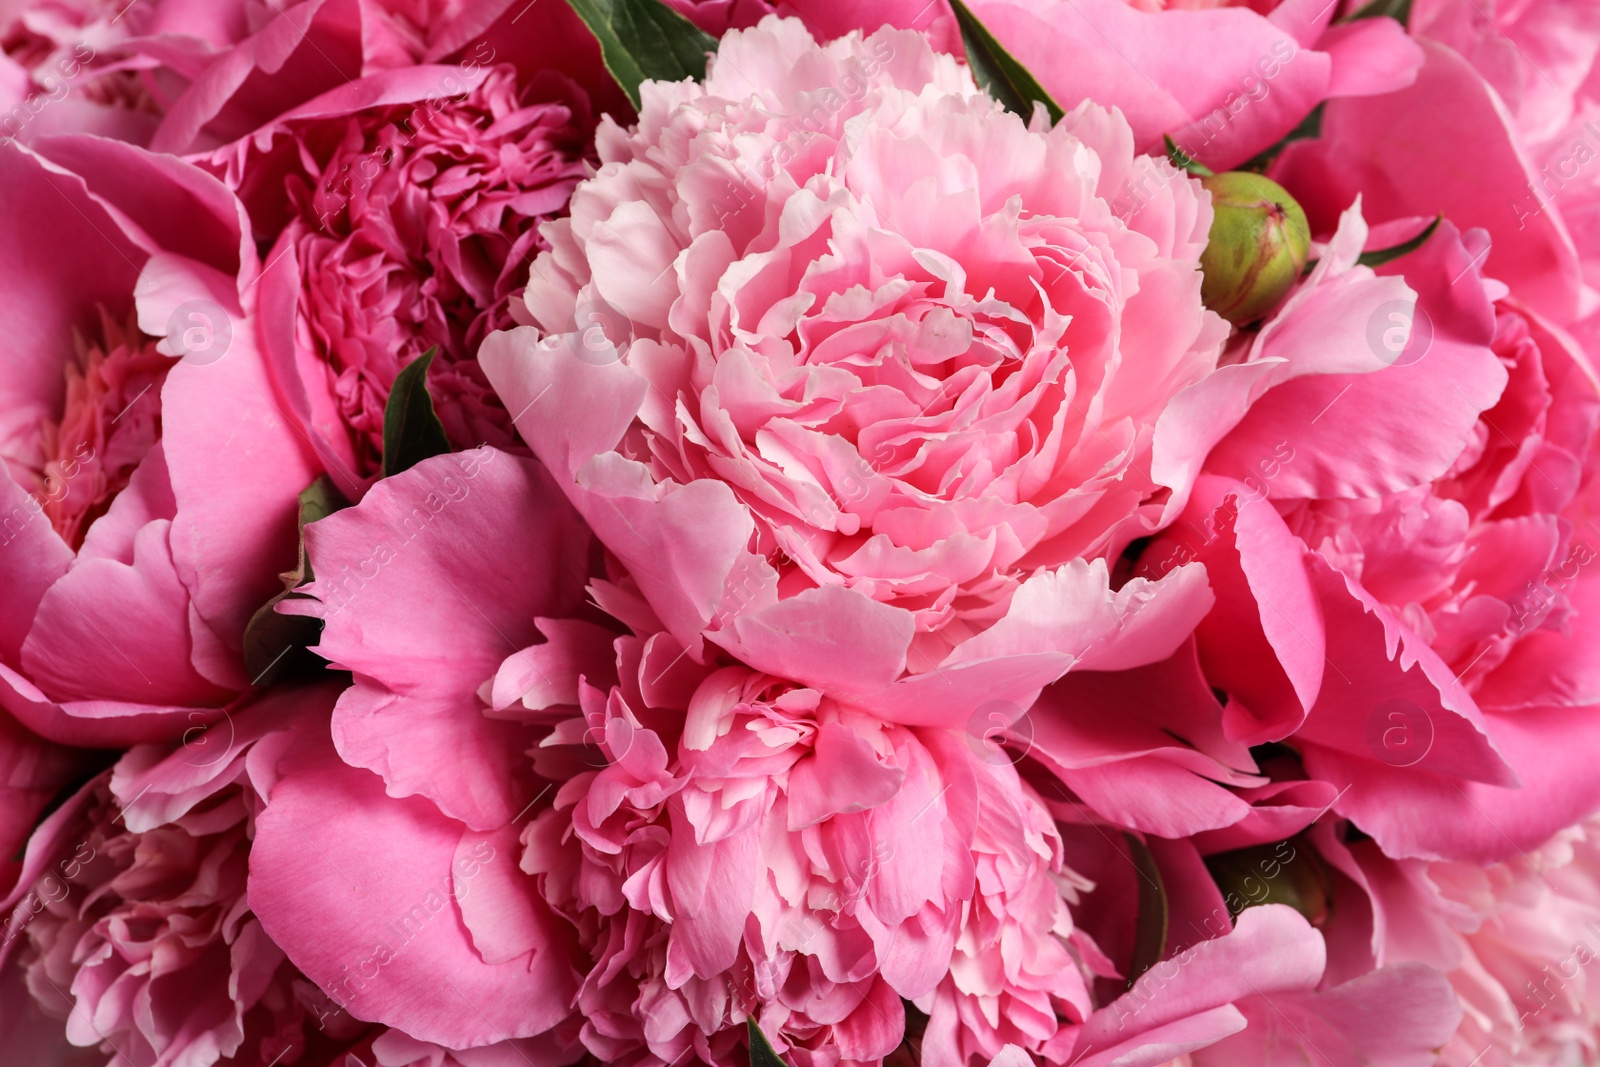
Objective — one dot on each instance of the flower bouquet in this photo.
(818, 532)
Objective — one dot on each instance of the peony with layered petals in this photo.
(856, 592)
(899, 350)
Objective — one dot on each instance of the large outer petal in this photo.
(1394, 1017)
(310, 48)
(32, 557)
(237, 467)
(1431, 816)
(1110, 738)
(1187, 1002)
(1383, 678)
(1364, 435)
(162, 203)
(426, 587)
(1144, 63)
(1402, 154)
(361, 890)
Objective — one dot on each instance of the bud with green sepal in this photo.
(1259, 245)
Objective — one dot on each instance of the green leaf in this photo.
(762, 1053)
(317, 501)
(998, 71)
(278, 646)
(645, 40)
(1150, 935)
(1183, 161)
(1378, 257)
(1399, 10)
(411, 430)
(1309, 128)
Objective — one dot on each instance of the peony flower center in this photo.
(110, 419)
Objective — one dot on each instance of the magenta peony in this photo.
(410, 222)
(1409, 549)
(137, 541)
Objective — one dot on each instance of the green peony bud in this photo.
(1259, 244)
(1288, 872)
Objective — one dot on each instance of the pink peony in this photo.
(139, 937)
(897, 359)
(615, 849)
(1253, 996)
(847, 872)
(1407, 607)
(412, 202)
(1541, 60)
(148, 501)
(208, 74)
(255, 62)
(1262, 75)
(710, 842)
(131, 937)
(1391, 152)
(58, 73)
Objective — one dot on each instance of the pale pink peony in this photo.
(1518, 941)
(848, 338)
